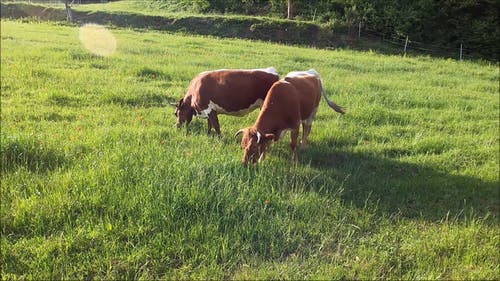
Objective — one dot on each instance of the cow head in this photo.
(184, 112)
(254, 145)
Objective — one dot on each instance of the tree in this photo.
(290, 15)
(69, 13)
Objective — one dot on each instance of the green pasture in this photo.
(97, 183)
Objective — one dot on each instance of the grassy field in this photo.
(98, 183)
(153, 8)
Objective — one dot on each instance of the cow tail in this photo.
(333, 105)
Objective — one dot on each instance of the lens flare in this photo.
(97, 39)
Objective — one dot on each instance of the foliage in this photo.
(473, 23)
(249, 7)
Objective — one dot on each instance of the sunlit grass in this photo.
(97, 39)
(98, 183)
(151, 8)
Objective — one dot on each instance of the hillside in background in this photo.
(350, 28)
(257, 28)
(442, 24)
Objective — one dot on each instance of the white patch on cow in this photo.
(219, 109)
(283, 132)
(204, 113)
(310, 72)
(262, 157)
(309, 120)
(271, 70)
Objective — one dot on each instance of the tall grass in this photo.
(98, 183)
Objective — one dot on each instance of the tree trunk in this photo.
(290, 10)
(69, 13)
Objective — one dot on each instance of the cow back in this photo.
(308, 90)
(288, 102)
(231, 90)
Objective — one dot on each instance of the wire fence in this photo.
(406, 44)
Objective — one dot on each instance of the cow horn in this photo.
(239, 132)
(173, 104)
(258, 136)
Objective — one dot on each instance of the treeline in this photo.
(445, 23)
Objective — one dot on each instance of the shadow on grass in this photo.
(147, 73)
(62, 99)
(143, 100)
(407, 189)
(30, 155)
(199, 127)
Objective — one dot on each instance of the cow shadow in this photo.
(397, 187)
(198, 127)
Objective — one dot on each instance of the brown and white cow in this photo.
(290, 101)
(226, 91)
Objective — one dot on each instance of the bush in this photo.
(473, 23)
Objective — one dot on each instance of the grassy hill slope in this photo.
(138, 15)
(98, 183)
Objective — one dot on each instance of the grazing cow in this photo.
(290, 101)
(226, 91)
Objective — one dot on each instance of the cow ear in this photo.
(270, 137)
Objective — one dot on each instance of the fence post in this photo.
(461, 51)
(359, 30)
(406, 43)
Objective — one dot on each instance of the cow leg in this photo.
(212, 118)
(294, 135)
(209, 126)
(306, 130)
